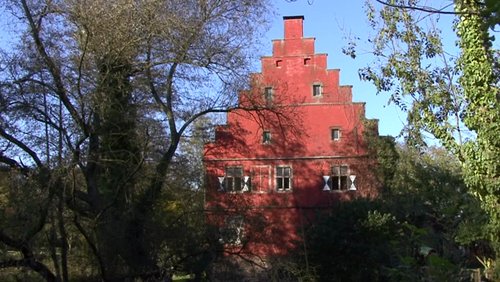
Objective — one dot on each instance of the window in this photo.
(283, 178)
(234, 179)
(339, 179)
(266, 137)
(335, 133)
(268, 94)
(307, 61)
(233, 230)
(261, 178)
(317, 90)
(279, 63)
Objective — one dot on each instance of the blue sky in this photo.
(331, 22)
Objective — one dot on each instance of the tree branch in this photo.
(426, 9)
(55, 72)
(12, 163)
(92, 245)
(28, 261)
(22, 146)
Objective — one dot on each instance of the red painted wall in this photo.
(300, 125)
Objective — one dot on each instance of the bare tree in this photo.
(94, 100)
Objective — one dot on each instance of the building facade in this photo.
(295, 146)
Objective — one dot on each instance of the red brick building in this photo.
(296, 146)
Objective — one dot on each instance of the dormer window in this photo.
(317, 90)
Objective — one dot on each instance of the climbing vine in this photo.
(455, 98)
(481, 157)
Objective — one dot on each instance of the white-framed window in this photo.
(268, 94)
(266, 137)
(233, 230)
(283, 178)
(335, 134)
(317, 89)
(233, 181)
(261, 178)
(339, 180)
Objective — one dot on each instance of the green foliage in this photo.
(96, 99)
(406, 51)
(383, 148)
(425, 226)
(481, 157)
(456, 100)
(348, 246)
(492, 13)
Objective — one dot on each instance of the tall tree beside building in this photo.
(454, 99)
(95, 97)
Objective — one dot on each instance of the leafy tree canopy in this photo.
(95, 100)
(455, 98)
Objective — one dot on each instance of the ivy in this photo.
(443, 95)
(482, 155)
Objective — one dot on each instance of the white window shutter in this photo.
(221, 183)
(245, 183)
(353, 187)
(326, 178)
(239, 235)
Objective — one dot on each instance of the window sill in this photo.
(283, 190)
(338, 191)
